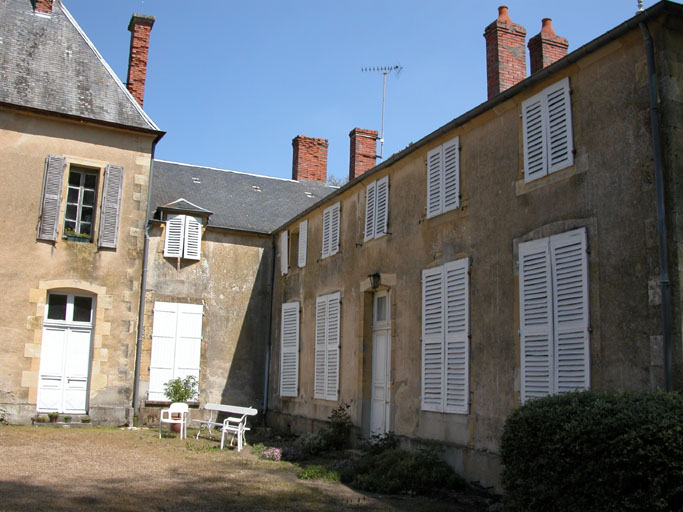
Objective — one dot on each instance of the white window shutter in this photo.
(432, 339)
(320, 347)
(333, 341)
(382, 210)
(434, 182)
(327, 214)
(48, 218)
(303, 243)
(534, 121)
(193, 238)
(188, 340)
(457, 331)
(335, 218)
(289, 349)
(284, 252)
(174, 236)
(451, 174)
(559, 136)
(535, 317)
(111, 207)
(570, 310)
(370, 211)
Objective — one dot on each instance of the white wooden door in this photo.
(381, 364)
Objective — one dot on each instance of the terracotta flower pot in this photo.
(175, 427)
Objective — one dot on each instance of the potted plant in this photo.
(53, 416)
(67, 419)
(181, 390)
(85, 419)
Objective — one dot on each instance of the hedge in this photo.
(595, 451)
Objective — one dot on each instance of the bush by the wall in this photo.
(595, 451)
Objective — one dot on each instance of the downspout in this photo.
(270, 332)
(143, 287)
(661, 206)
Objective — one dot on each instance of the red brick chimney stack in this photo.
(505, 53)
(309, 158)
(140, 27)
(546, 47)
(363, 151)
(44, 6)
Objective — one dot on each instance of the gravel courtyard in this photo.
(98, 469)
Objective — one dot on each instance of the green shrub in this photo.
(379, 443)
(181, 390)
(395, 471)
(311, 445)
(595, 452)
(334, 436)
(315, 472)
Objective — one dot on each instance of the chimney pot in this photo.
(546, 47)
(140, 27)
(363, 151)
(309, 158)
(505, 53)
(44, 6)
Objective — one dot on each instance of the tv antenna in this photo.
(385, 70)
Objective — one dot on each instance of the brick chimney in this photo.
(44, 6)
(505, 53)
(309, 158)
(363, 151)
(546, 47)
(140, 26)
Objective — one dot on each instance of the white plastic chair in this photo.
(180, 410)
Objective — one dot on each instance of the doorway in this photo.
(65, 354)
(381, 363)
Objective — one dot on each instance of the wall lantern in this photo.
(374, 280)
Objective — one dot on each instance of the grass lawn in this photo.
(97, 469)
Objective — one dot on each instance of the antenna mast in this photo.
(385, 70)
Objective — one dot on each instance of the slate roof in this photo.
(238, 200)
(48, 63)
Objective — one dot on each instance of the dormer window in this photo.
(183, 237)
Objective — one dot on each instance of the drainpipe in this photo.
(270, 332)
(143, 287)
(661, 206)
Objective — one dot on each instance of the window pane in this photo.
(86, 214)
(71, 210)
(70, 225)
(88, 198)
(56, 307)
(82, 309)
(90, 181)
(381, 313)
(74, 178)
(72, 196)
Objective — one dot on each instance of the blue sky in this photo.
(232, 83)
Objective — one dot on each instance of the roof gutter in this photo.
(664, 281)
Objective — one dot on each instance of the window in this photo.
(327, 340)
(445, 337)
(376, 208)
(289, 349)
(183, 237)
(547, 131)
(68, 308)
(284, 252)
(330, 243)
(81, 202)
(553, 291)
(443, 178)
(176, 345)
(303, 243)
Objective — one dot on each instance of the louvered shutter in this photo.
(111, 207)
(536, 330)
(193, 238)
(559, 136)
(382, 209)
(320, 346)
(284, 252)
(457, 330)
(434, 182)
(370, 211)
(534, 121)
(174, 236)
(333, 340)
(48, 218)
(188, 340)
(334, 228)
(162, 362)
(327, 214)
(289, 349)
(432, 339)
(570, 310)
(303, 243)
(451, 175)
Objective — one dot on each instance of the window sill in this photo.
(79, 239)
(522, 188)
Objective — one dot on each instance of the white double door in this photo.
(64, 365)
(381, 364)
